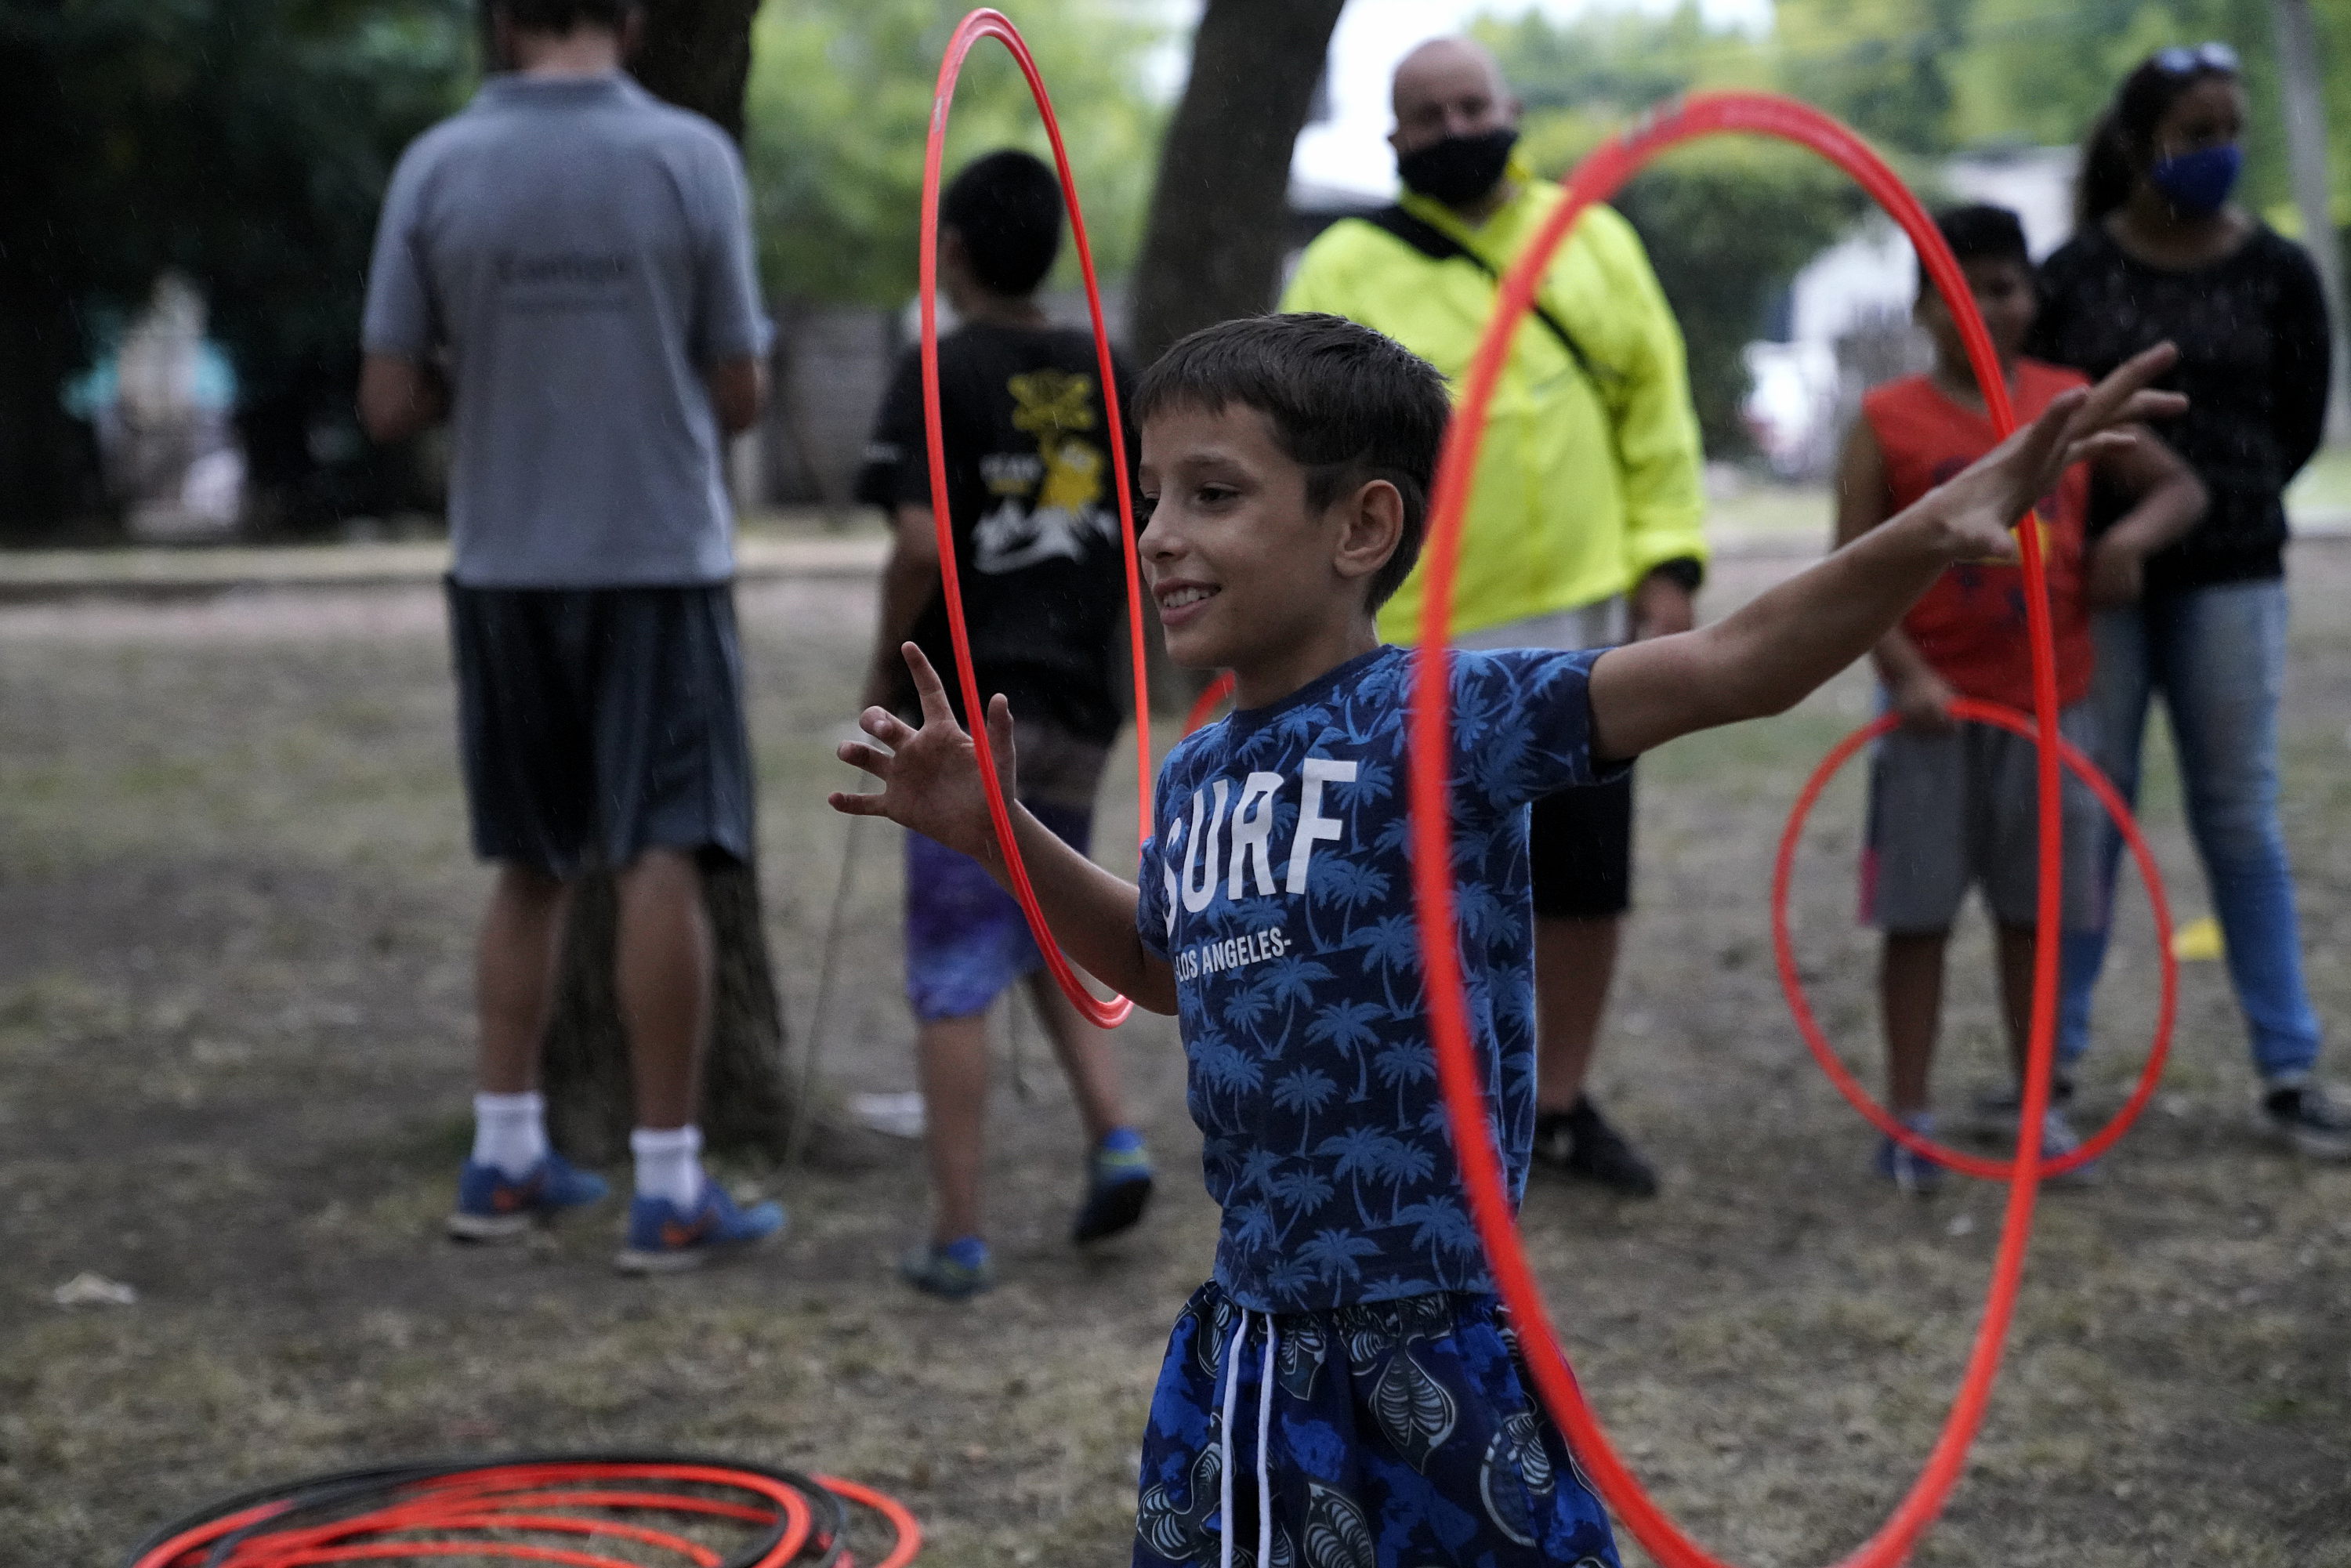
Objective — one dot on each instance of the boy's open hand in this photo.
(930, 776)
(1976, 511)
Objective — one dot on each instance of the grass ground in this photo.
(234, 918)
(2324, 485)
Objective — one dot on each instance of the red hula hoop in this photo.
(1599, 177)
(895, 1513)
(513, 1497)
(1783, 948)
(986, 23)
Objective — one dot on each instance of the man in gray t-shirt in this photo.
(564, 272)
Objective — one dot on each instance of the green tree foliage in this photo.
(1884, 66)
(2026, 72)
(1726, 222)
(2041, 75)
(244, 142)
(1986, 73)
(839, 103)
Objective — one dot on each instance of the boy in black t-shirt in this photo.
(1038, 549)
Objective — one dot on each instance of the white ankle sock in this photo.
(669, 1163)
(510, 1131)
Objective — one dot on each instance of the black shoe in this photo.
(1579, 1142)
(1118, 1188)
(2306, 1118)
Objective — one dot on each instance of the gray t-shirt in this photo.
(582, 252)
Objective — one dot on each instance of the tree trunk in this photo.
(48, 464)
(1213, 250)
(747, 1098)
(2303, 86)
(1219, 213)
(695, 54)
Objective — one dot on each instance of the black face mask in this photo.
(1459, 169)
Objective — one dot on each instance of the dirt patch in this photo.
(235, 914)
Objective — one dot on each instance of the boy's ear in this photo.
(1372, 528)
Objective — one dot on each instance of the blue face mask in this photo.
(2196, 183)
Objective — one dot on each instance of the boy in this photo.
(1351, 1314)
(1039, 547)
(1954, 805)
(564, 272)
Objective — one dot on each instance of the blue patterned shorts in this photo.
(1394, 1435)
(967, 940)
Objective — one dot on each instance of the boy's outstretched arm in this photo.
(1766, 656)
(931, 783)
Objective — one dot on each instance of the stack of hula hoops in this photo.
(598, 1510)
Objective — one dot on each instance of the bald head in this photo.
(1448, 86)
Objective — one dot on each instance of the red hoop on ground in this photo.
(1599, 177)
(984, 24)
(896, 1514)
(1783, 948)
(529, 1497)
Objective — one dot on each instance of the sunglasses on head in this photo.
(2179, 60)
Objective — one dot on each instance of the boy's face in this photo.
(1244, 571)
(2004, 295)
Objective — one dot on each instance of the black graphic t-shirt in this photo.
(1031, 494)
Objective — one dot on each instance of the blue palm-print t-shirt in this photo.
(1278, 886)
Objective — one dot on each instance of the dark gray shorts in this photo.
(1580, 850)
(1580, 841)
(1947, 812)
(597, 723)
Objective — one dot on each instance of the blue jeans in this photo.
(2217, 655)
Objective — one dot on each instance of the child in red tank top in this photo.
(1970, 627)
(1953, 806)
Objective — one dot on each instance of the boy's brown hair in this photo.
(1347, 404)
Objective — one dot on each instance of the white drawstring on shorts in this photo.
(1264, 1430)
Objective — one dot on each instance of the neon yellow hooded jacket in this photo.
(1584, 484)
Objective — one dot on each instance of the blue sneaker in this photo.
(2058, 1137)
(1118, 1188)
(951, 1270)
(495, 1207)
(1917, 1174)
(665, 1240)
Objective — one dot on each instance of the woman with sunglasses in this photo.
(2159, 253)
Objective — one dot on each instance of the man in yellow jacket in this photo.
(1584, 525)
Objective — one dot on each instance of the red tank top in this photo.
(1970, 624)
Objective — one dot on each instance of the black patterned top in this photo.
(2253, 347)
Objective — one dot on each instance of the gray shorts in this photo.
(597, 723)
(1951, 811)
